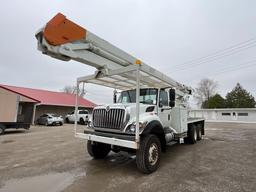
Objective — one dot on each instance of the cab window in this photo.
(163, 98)
(83, 112)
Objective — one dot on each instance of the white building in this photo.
(226, 115)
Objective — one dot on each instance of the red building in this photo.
(26, 105)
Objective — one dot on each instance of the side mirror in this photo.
(172, 103)
(114, 98)
(172, 97)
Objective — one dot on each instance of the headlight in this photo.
(131, 128)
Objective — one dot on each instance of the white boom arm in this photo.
(65, 40)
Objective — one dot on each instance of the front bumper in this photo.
(122, 140)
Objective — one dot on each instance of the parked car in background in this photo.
(83, 117)
(50, 119)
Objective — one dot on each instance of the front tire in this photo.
(98, 150)
(148, 155)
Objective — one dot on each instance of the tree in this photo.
(216, 101)
(240, 98)
(72, 90)
(206, 89)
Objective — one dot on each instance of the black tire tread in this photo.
(141, 155)
(199, 130)
(98, 150)
(191, 130)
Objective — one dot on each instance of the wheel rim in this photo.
(153, 154)
(195, 135)
(1, 131)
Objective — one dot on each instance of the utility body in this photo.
(149, 108)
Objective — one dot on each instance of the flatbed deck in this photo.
(194, 119)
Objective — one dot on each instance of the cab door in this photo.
(164, 110)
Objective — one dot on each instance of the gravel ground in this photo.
(51, 159)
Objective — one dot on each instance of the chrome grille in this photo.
(111, 119)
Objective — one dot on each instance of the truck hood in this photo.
(130, 111)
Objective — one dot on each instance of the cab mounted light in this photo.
(138, 62)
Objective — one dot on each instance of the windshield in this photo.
(147, 96)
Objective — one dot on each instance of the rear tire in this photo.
(192, 134)
(199, 132)
(98, 150)
(67, 120)
(148, 155)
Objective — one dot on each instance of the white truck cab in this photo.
(150, 110)
(155, 105)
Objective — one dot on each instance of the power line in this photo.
(240, 66)
(219, 54)
(237, 67)
(252, 40)
(214, 59)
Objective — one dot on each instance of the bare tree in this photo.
(206, 89)
(72, 90)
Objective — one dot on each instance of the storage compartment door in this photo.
(179, 119)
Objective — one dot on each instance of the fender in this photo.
(155, 127)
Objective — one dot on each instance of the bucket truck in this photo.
(148, 110)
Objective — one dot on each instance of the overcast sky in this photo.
(174, 36)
